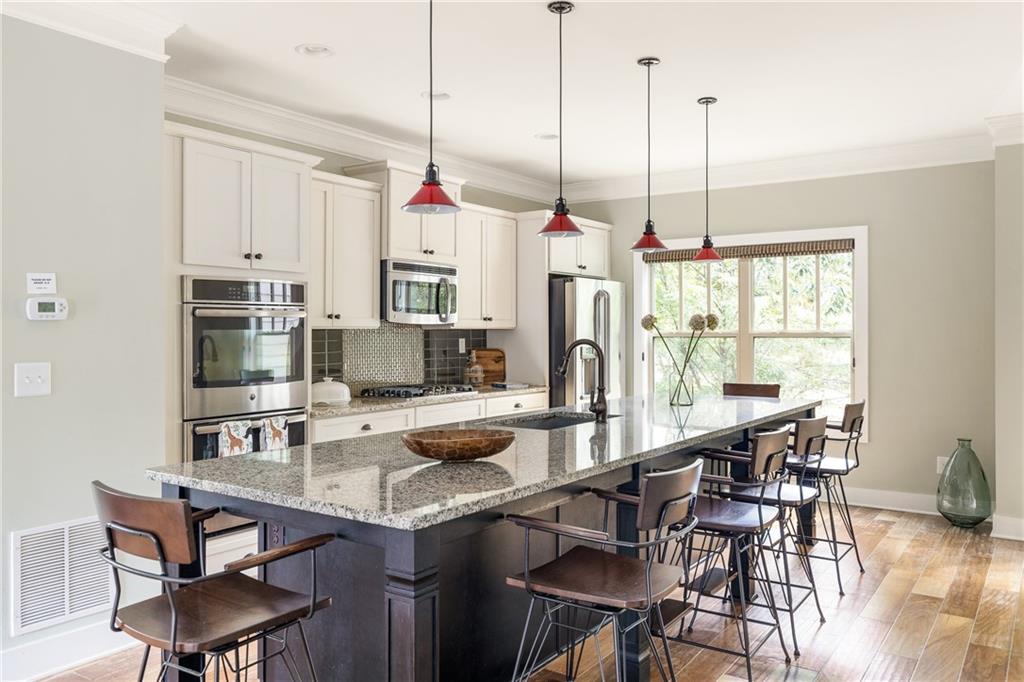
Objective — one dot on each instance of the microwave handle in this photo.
(207, 429)
(246, 312)
(446, 315)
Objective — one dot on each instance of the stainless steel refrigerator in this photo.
(581, 307)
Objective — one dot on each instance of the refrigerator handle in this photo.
(602, 315)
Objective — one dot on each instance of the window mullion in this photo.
(817, 293)
(744, 339)
(785, 293)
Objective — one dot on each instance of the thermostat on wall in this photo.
(46, 308)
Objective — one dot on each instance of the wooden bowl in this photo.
(458, 445)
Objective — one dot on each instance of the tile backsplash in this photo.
(393, 354)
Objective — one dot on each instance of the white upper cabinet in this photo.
(586, 255)
(412, 236)
(216, 204)
(345, 274)
(280, 214)
(244, 204)
(487, 268)
(500, 272)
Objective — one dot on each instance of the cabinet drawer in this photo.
(362, 425)
(510, 404)
(447, 413)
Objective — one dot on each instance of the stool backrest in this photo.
(751, 390)
(809, 437)
(666, 496)
(769, 453)
(853, 417)
(169, 522)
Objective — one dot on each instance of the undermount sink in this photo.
(550, 422)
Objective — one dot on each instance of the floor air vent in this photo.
(58, 574)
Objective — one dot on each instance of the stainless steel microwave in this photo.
(419, 293)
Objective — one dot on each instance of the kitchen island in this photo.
(417, 572)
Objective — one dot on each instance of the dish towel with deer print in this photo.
(275, 433)
(234, 438)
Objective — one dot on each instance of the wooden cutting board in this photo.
(493, 362)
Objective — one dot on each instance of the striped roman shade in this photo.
(813, 248)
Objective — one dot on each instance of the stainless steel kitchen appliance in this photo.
(582, 307)
(244, 346)
(419, 293)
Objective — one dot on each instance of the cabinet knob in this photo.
(258, 256)
(367, 427)
(426, 250)
(431, 252)
(247, 256)
(518, 406)
(582, 267)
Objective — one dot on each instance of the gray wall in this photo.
(930, 299)
(82, 165)
(1009, 339)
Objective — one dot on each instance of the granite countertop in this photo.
(375, 479)
(362, 405)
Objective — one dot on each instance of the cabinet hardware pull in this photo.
(583, 267)
(431, 252)
(247, 256)
(426, 251)
(258, 256)
(518, 406)
(367, 427)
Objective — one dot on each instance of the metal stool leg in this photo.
(522, 641)
(789, 583)
(145, 659)
(849, 523)
(741, 590)
(805, 563)
(305, 648)
(834, 539)
(617, 643)
(768, 593)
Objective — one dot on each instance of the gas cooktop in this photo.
(415, 391)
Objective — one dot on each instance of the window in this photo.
(788, 319)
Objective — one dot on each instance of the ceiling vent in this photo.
(58, 574)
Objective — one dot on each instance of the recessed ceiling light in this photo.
(546, 136)
(438, 95)
(314, 50)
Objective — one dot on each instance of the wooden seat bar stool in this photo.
(788, 498)
(213, 615)
(828, 475)
(605, 586)
(735, 390)
(741, 529)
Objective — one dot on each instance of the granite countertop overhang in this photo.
(364, 405)
(376, 480)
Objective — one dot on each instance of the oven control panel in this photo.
(243, 291)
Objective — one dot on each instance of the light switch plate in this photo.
(31, 379)
(462, 344)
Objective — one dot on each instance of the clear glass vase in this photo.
(963, 495)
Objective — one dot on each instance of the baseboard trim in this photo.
(893, 500)
(59, 652)
(1007, 527)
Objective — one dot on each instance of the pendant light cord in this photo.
(430, 62)
(648, 143)
(560, 106)
(707, 229)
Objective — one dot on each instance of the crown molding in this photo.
(187, 98)
(1006, 130)
(941, 152)
(122, 26)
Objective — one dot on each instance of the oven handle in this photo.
(243, 312)
(214, 428)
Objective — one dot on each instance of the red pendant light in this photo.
(649, 240)
(707, 251)
(431, 197)
(560, 225)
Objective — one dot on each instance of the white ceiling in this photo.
(792, 79)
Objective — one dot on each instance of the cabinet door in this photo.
(563, 255)
(280, 214)
(594, 252)
(319, 292)
(471, 269)
(441, 235)
(216, 207)
(499, 272)
(402, 235)
(356, 258)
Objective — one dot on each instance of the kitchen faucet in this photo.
(599, 406)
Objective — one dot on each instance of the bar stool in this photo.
(808, 446)
(214, 615)
(742, 529)
(828, 474)
(734, 390)
(604, 586)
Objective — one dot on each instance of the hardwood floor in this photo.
(935, 603)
